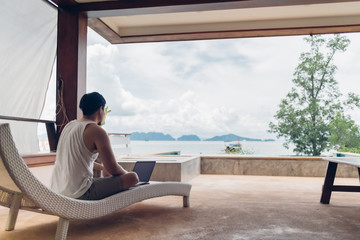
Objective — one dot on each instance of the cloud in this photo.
(185, 115)
(206, 88)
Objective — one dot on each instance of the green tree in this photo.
(344, 133)
(304, 115)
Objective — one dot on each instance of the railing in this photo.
(122, 138)
(50, 128)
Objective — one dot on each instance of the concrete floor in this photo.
(222, 207)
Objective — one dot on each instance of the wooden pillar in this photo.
(71, 65)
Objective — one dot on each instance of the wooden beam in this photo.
(130, 7)
(62, 3)
(104, 30)
(71, 65)
(116, 39)
(134, 7)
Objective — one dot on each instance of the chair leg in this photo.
(13, 212)
(62, 229)
(186, 201)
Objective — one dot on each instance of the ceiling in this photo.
(157, 20)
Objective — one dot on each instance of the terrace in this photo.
(282, 202)
(238, 205)
(221, 207)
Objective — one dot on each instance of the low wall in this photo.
(261, 166)
(168, 168)
(272, 166)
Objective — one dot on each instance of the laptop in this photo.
(144, 170)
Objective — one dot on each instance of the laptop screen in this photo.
(144, 170)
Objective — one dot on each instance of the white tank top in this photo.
(73, 171)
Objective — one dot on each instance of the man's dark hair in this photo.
(91, 102)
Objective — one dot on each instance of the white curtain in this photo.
(27, 53)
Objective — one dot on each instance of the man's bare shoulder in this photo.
(94, 136)
(93, 128)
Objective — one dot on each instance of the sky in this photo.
(208, 88)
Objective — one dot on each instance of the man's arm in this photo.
(101, 142)
(100, 167)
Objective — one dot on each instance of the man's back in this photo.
(73, 171)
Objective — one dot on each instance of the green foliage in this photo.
(344, 133)
(107, 110)
(352, 101)
(347, 149)
(237, 149)
(304, 115)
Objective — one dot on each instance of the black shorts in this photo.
(103, 187)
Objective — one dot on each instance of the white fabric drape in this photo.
(27, 54)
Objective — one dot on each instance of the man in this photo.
(80, 144)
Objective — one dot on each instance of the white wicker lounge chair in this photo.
(20, 189)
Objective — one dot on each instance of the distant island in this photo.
(158, 136)
(233, 137)
(189, 138)
(151, 136)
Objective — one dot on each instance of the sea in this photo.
(210, 148)
(206, 148)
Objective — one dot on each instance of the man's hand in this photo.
(106, 173)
